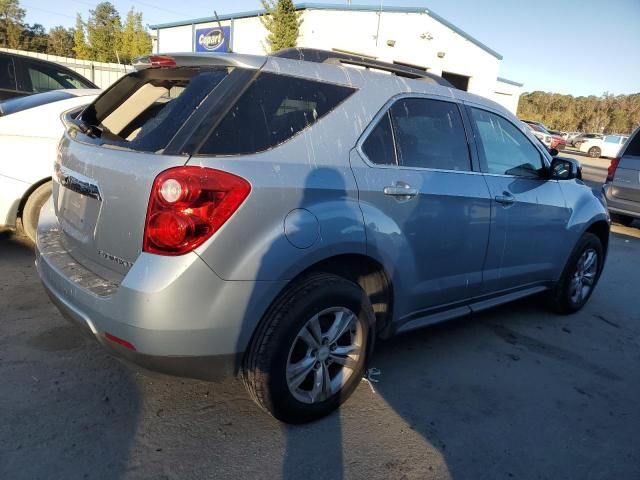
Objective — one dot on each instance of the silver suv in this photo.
(272, 216)
(622, 188)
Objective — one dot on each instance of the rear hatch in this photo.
(114, 149)
(626, 182)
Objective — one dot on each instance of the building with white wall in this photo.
(416, 37)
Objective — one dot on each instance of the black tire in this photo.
(31, 210)
(560, 296)
(264, 367)
(594, 152)
(625, 220)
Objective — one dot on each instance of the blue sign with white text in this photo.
(213, 39)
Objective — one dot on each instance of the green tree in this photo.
(11, 18)
(80, 47)
(607, 113)
(34, 38)
(134, 39)
(282, 21)
(103, 32)
(61, 42)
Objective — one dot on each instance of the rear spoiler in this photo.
(172, 60)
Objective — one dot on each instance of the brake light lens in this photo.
(611, 171)
(188, 205)
(151, 61)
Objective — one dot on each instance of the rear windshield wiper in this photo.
(73, 121)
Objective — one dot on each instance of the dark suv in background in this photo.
(21, 75)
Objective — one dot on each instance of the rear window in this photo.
(145, 110)
(633, 147)
(273, 109)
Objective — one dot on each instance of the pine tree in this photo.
(60, 42)
(80, 47)
(134, 39)
(11, 18)
(103, 32)
(282, 21)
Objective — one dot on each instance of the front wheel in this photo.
(594, 152)
(579, 277)
(310, 351)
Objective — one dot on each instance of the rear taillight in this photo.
(188, 205)
(611, 171)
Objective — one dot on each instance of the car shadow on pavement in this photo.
(66, 410)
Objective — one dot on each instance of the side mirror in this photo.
(553, 152)
(565, 169)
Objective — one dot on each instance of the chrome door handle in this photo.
(506, 198)
(400, 191)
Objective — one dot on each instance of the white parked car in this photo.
(30, 129)
(609, 146)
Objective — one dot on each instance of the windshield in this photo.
(24, 103)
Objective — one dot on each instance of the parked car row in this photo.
(549, 139)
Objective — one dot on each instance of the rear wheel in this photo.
(31, 210)
(625, 220)
(594, 152)
(579, 277)
(310, 351)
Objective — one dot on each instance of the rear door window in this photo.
(430, 134)
(272, 109)
(45, 78)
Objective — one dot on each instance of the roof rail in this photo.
(326, 56)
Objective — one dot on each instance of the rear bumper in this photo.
(178, 315)
(620, 206)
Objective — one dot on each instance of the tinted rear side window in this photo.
(7, 73)
(272, 109)
(430, 134)
(634, 145)
(378, 147)
(45, 78)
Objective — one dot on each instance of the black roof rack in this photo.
(326, 56)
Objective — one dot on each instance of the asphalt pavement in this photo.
(515, 392)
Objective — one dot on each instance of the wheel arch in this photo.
(600, 228)
(359, 268)
(28, 193)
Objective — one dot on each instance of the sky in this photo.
(578, 47)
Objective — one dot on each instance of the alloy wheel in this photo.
(584, 277)
(327, 351)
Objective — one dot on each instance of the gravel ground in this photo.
(515, 392)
